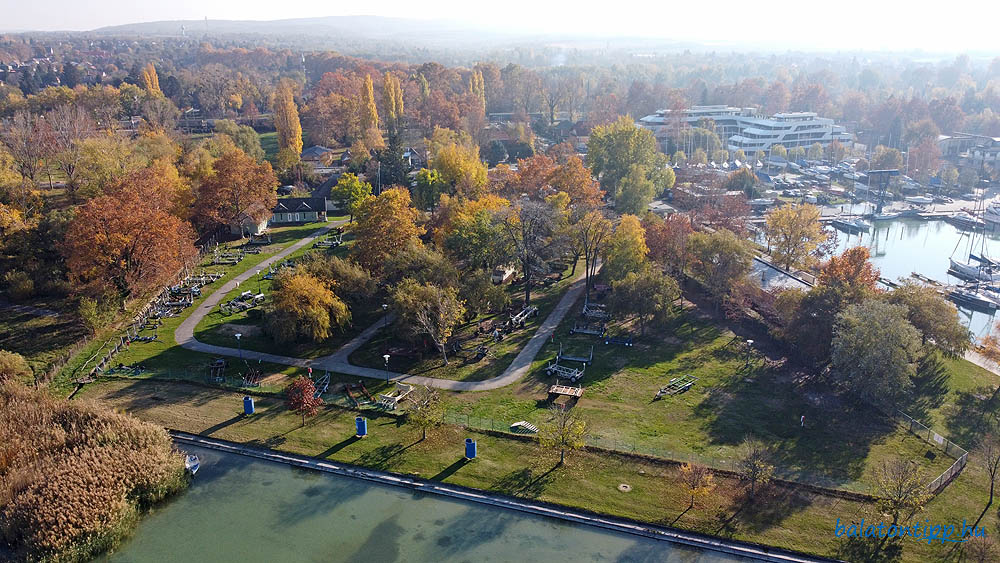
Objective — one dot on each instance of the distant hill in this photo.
(334, 28)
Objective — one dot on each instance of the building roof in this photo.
(315, 152)
(300, 205)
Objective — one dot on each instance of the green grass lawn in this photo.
(218, 328)
(269, 142)
(164, 353)
(790, 518)
(466, 365)
(839, 445)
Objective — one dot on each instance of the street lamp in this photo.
(386, 358)
(258, 282)
(238, 345)
(749, 349)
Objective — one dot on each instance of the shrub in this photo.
(18, 285)
(75, 477)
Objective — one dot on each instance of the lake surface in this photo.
(903, 246)
(245, 509)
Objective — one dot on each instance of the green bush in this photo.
(18, 285)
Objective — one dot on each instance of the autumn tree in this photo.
(754, 463)
(885, 158)
(590, 234)
(392, 102)
(667, 239)
(151, 80)
(836, 152)
(873, 351)
(243, 136)
(720, 260)
(300, 397)
(476, 237)
(793, 235)
(127, 241)
(851, 274)
(370, 132)
(563, 431)
(350, 193)
(386, 224)
(423, 409)
(901, 490)
(428, 189)
(934, 316)
(429, 310)
(286, 122)
(698, 481)
(240, 188)
(626, 249)
(647, 295)
(815, 151)
(461, 168)
(303, 307)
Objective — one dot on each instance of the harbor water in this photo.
(903, 246)
(245, 509)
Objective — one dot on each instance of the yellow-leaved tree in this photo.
(370, 132)
(286, 122)
(793, 233)
(150, 80)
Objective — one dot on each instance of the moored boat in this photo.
(973, 299)
(192, 463)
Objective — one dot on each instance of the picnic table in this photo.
(566, 390)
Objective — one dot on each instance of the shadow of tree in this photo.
(385, 458)
(870, 550)
(523, 483)
(930, 386)
(972, 414)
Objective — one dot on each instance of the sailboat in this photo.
(977, 268)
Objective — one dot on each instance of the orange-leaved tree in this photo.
(386, 224)
(240, 188)
(300, 397)
(128, 240)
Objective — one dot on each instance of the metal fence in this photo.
(634, 447)
(957, 452)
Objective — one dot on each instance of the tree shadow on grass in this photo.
(770, 507)
(930, 387)
(972, 414)
(870, 550)
(384, 458)
(524, 483)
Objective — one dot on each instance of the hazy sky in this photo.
(847, 24)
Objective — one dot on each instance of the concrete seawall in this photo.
(620, 525)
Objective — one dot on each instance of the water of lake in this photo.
(245, 509)
(903, 246)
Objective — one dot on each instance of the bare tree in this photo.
(754, 463)
(980, 550)
(21, 136)
(69, 124)
(989, 458)
(592, 230)
(530, 226)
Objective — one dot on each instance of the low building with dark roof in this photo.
(299, 210)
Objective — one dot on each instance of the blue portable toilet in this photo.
(362, 424)
(470, 448)
(247, 405)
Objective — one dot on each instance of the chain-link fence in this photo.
(955, 451)
(633, 447)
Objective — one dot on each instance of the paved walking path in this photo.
(975, 357)
(338, 362)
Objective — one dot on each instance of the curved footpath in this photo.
(620, 525)
(338, 361)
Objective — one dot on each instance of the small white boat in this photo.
(885, 216)
(976, 273)
(973, 299)
(192, 463)
(919, 200)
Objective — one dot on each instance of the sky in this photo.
(846, 24)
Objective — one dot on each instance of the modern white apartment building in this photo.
(744, 128)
